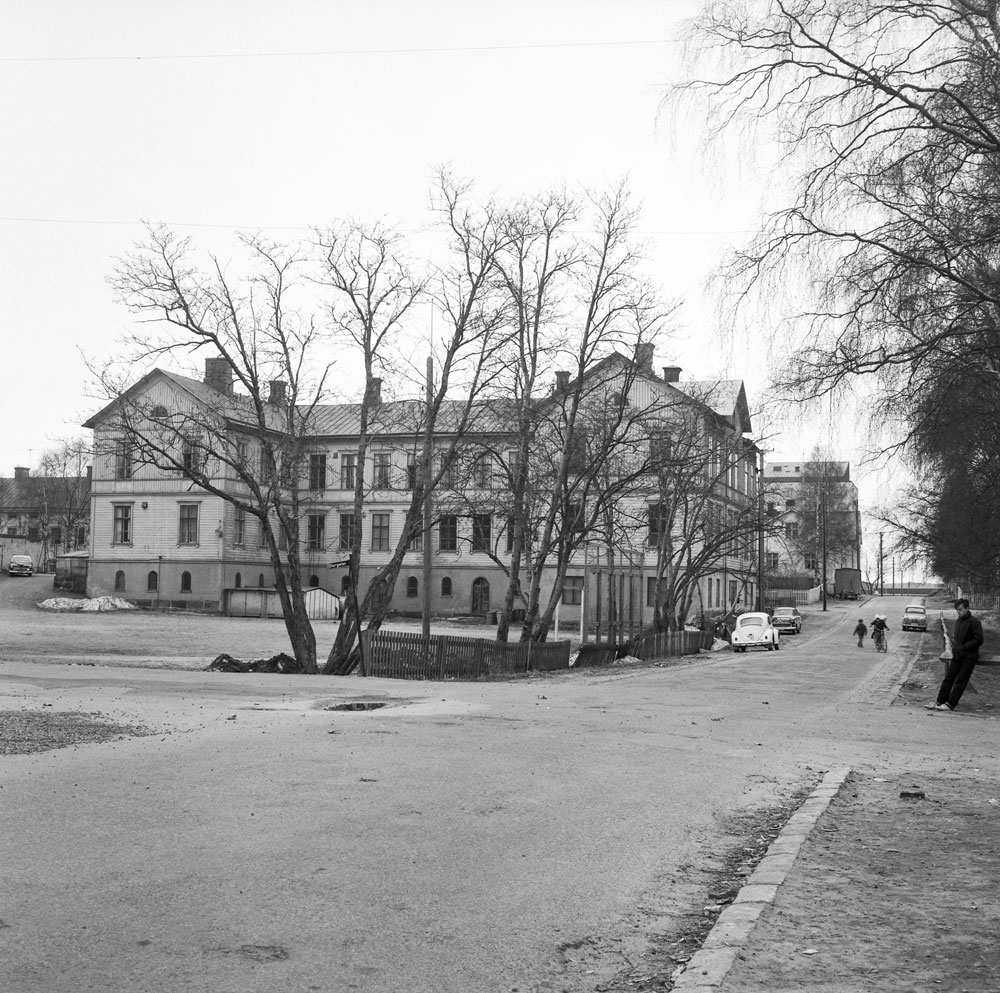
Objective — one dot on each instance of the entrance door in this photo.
(480, 596)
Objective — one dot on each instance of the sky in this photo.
(255, 115)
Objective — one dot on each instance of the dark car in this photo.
(787, 619)
(20, 565)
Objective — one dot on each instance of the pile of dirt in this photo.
(281, 662)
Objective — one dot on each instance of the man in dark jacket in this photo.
(965, 644)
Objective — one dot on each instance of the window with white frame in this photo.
(122, 531)
(187, 531)
(348, 470)
(382, 470)
(317, 532)
(380, 532)
(317, 471)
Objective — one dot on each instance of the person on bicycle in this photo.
(879, 628)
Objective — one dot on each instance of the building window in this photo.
(446, 586)
(574, 517)
(789, 505)
(657, 524)
(661, 450)
(347, 531)
(792, 530)
(33, 534)
(448, 533)
(317, 532)
(262, 534)
(260, 581)
(651, 591)
(732, 592)
(771, 561)
(573, 590)
(416, 542)
(411, 471)
(380, 532)
(185, 582)
(314, 580)
(412, 586)
(81, 537)
(509, 535)
(152, 582)
(122, 533)
(119, 581)
(482, 472)
(446, 463)
(189, 457)
(188, 529)
(482, 526)
(348, 471)
(240, 526)
(123, 459)
(55, 536)
(812, 563)
(345, 585)
(382, 471)
(239, 580)
(317, 472)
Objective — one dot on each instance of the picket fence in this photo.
(664, 644)
(401, 655)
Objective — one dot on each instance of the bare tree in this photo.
(888, 121)
(374, 292)
(574, 299)
(62, 494)
(248, 447)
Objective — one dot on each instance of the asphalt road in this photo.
(466, 837)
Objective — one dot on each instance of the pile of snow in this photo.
(97, 603)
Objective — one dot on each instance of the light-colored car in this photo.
(787, 619)
(915, 618)
(20, 565)
(755, 631)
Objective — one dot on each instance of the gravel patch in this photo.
(26, 731)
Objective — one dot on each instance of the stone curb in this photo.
(708, 967)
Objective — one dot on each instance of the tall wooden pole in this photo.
(426, 475)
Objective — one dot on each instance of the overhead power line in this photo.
(333, 53)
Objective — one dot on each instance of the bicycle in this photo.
(879, 638)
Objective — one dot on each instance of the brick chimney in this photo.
(219, 375)
(671, 374)
(277, 392)
(562, 381)
(644, 355)
(21, 472)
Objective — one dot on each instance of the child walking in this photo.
(861, 630)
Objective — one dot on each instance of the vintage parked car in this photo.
(20, 565)
(755, 631)
(787, 619)
(915, 618)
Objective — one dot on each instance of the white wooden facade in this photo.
(161, 561)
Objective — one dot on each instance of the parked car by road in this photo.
(915, 618)
(787, 619)
(755, 631)
(20, 565)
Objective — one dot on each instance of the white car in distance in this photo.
(755, 631)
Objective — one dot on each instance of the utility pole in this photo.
(760, 534)
(823, 504)
(426, 474)
(881, 567)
